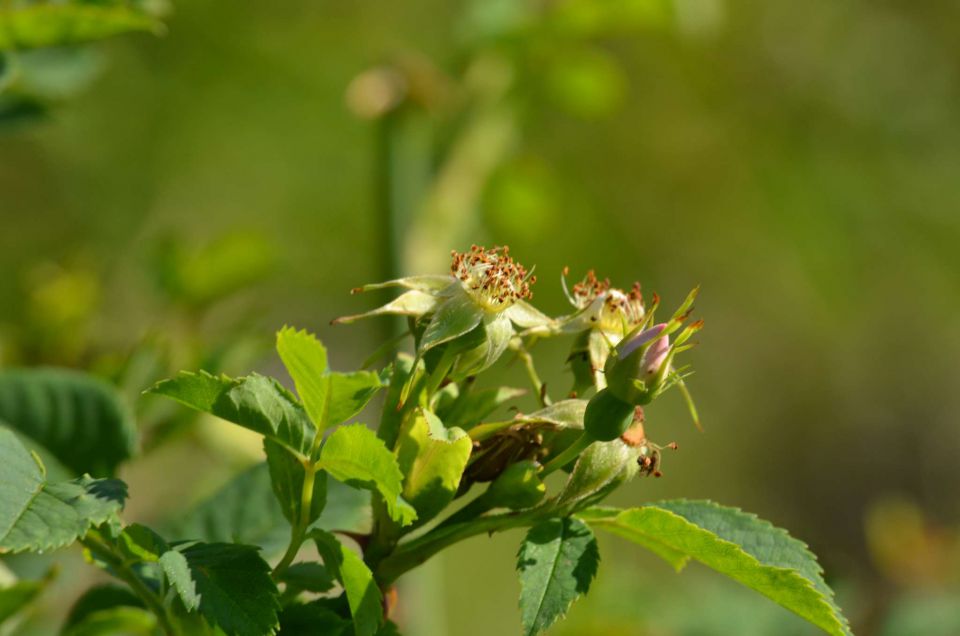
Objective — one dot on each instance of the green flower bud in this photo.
(517, 487)
(607, 416)
(601, 469)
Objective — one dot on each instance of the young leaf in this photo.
(329, 398)
(37, 515)
(432, 459)
(286, 475)
(36, 25)
(356, 456)
(306, 361)
(362, 592)
(140, 543)
(754, 552)
(80, 419)
(228, 583)
(455, 317)
(255, 402)
(556, 563)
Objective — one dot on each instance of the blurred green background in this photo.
(800, 161)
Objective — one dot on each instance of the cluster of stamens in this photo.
(620, 309)
(491, 276)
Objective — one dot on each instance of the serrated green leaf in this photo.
(48, 24)
(350, 393)
(177, 572)
(78, 418)
(287, 475)
(329, 398)
(306, 361)
(455, 317)
(310, 619)
(751, 551)
(362, 592)
(228, 583)
(356, 456)
(556, 563)
(37, 515)
(97, 599)
(255, 402)
(432, 459)
(141, 543)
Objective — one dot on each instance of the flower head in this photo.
(491, 277)
(604, 307)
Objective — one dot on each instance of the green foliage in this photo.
(97, 601)
(79, 419)
(432, 459)
(228, 583)
(357, 580)
(739, 545)
(329, 398)
(557, 561)
(255, 402)
(455, 317)
(316, 617)
(287, 474)
(60, 24)
(37, 515)
(356, 456)
(15, 597)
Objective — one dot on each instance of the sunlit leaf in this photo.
(362, 592)
(61, 24)
(754, 552)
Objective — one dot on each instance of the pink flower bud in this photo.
(654, 357)
(642, 338)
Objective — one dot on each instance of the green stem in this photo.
(568, 455)
(299, 530)
(122, 571)
(416, 552)
(538, 385)
(440, 372)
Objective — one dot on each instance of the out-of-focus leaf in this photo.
(16, 597)
(557, 562)
(96, 600)
(751, 551)
(201, 276)
(432, 459)
(80, 419)
(356, 456)
(246, 510)
(255, 402)
(129, 621)
(362, 592)
(37, 515)
(56, 24)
